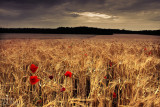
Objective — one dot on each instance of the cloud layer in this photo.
(119, 14)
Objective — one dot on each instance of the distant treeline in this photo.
(77, 30)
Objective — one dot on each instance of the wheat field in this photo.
(99, 67)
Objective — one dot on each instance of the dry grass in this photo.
(134, 75)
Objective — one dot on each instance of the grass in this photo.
(134, 74)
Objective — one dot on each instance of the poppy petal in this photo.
(39, 101)
(33, 68)
(114, 95)
(63, 89)
(110, 64)
(34, 79)
(68, 74)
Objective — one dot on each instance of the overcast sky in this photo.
(114, 14)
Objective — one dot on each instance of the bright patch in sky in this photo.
(93, 14)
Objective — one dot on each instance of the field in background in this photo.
(134, 74)
(77, 36)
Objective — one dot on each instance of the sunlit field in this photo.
(101, 72)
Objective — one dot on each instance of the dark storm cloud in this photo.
(31, 4)
(140, 5)
(82, 5)
(24, 8)
(27, 9)
(28, 4)
(62, 12)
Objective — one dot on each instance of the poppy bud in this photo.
(51, 77)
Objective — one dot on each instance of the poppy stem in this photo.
(114, 103)
(40, 92)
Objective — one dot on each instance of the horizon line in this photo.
(72, 27)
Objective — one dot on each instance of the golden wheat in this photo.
(134, 75)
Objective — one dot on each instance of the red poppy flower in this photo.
(51, 77)
(145, 49)
(105, 77)
(69, 46)
(149, 53)
(114, 95)
(68, 74)
(63, 89)
(110, 64)
(85, 54)
(33, 68)
(34, 79)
